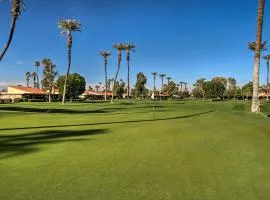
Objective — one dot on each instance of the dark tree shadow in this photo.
(56, 110)
(70, 111)
(108, 123)
(15, 145)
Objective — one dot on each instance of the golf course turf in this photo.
(140, 150)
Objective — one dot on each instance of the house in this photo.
(17, 93)
(264, 95)
(90, 94)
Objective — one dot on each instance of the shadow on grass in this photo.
(108, 123)
(69, 111)
(57, 111)
(15, 145)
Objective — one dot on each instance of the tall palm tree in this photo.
(119, 47)
(105, 55)
(15, 11)
(267, 58)
(256, 71)
(35, 78)
(37, 65)
(185, 86)
(161, 76)
(154, 76)
(129, 47)
(181, 85)
(168, 79)
(252, 46)
(68, 26)
(27, 78)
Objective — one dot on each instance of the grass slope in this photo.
(193, 150)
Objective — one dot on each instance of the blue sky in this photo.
(186, 39)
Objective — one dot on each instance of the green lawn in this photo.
(191, 151)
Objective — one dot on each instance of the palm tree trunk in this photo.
(154, 86)
(255, 99)
(116, 75)
(68, 69)
(12, 29)
(50, 98)
(106, 80)
(267, 81)
(128, 59)
(161, 88)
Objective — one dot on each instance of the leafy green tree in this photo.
(119, 88)
(140, 85)
(198, 91)
(49, 75)
(214, 89)
(68, 26)
(15, 11)
(232, 87)
(75, 87)
(171, 88)
(247, 89)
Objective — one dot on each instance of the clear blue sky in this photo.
(186, 39)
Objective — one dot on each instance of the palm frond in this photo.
(69, 25)
(267, 57)
(119, 46)
(252, 46)
(105, 54)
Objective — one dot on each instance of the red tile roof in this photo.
(29, 89)
(264, 94)
(93, 93)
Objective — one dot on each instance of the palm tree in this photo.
(169, 78)
(256, 71)
(37, 65)
(161, 76)
(119, 47)
(27, 77)
(267, 58)
(181, 85)
(15, 11)
(68, 26)
(35, 78)
(252, 46)
(185, 86)
(105, 55)
(129, 47)
(154, 76)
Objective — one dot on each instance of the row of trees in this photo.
(128, 47)
(221, 87)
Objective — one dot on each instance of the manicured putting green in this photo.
(193, 150)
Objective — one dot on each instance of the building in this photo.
(89, 94)
(18, 93)
(264, 95)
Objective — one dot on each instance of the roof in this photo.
(264, 94)
(28, 90)
(93, 93)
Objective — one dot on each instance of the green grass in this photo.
(193, 150)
